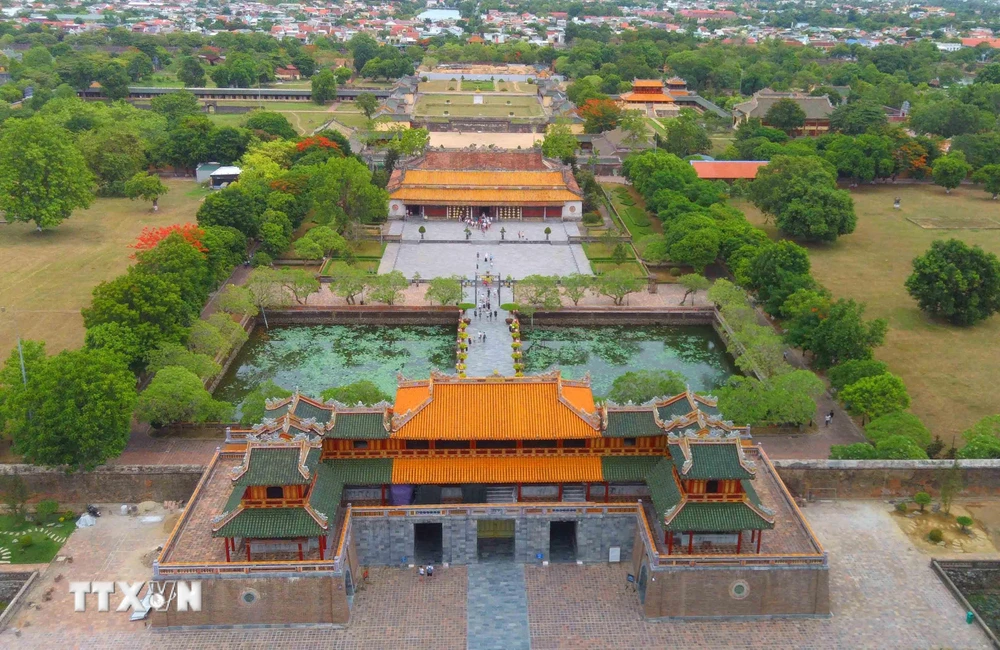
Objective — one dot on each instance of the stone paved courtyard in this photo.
(883, 592)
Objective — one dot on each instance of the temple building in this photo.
(817, 110)
(656, 99)
(458, 183)
(465, 470)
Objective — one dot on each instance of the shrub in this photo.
(898, 423)
(847, 373)
(935, 535)
(26, 541)
(592, 218)
(964, 522)
(46, 508)
(922, 499)
(260, 258)
(674, 271)
(901, 507)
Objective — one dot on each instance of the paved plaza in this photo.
(444, 250)
(883, 594)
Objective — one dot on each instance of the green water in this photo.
(610, 351)
(315, 357)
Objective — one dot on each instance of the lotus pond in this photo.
(315, 357)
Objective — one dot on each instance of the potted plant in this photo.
(421, 230)
(548, 231)
(468, 233)
(503, 231)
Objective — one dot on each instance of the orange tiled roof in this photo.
(649, 98)
(647, 83)
(727, 169)
(525, 469)
(445, 196)
(492, 179)
(542, 407)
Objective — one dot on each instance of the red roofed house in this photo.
(289, 73)
(973, 42)
(727, 170)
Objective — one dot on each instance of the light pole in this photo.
(20, 350)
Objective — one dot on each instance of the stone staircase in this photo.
(501, 494)
(574, 493)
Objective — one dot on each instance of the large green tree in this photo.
(858, 117)
(801, 193)
(640, 386)
(777, 271)
(75, 411)
(445, 291)
(832, 331)
(324, 86)
(788, 399)
(785, 114)
(343, 192)
(950, 170)
(875, 396)
(898, 423)
(178, 395)
(190, 73)
(989, 177)
(983, 439)
(362, 391)
(957, 282)
(43, 176)
(559, 142)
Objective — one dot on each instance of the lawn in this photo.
(634, 268)
(351, 120)
(305, 120)
(46, 278)
(493, 106)
(632, 209)
(437, 86)
(950, 371)
(485, 85)
(47, 537)
(369, 265)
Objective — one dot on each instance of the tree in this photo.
(576, 286)
(324, 86)
(176, 261)
(857, 451)
(600, 115)
(114, 80)
(271, 122)
(833, 332)
(534, 292)
(389, 287)
(178, 395)
(617, 284)
(347, 282)
(785, 114)
(368, 104)
(560, 143)
(190, 73)
(951, 484)
(922, 499)
(267, 291)
(234, 299)
(950, 170)
(800, 191)
(320, 241)
(898, 423)
(114, 154)
(234, 208)
(964, 522)
(175, 354)
(692, 283)
(146, 187)
(343, 193)
(685, 137)
(989, 177)
(948, 118)
(863, 158)
(848, 372)
(75, 411)
(300, 283)
(787, 399)
(640, 386)
(445, 291)
(957, 282)
(875, 396)
(698, 248)
(176, 106)
(252, 410)
(982, 440)
(899, 448)
(43, 176)
(858, 117)
(777, 271)
(364, 48)
(364, 392)
(15, 496)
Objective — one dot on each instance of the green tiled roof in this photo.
(368, 471)
(279, 466)
(325, 495)
(680, 407)
(627, 468)
(271, 523)
(717, 518)
(305, 410)
(662, 487)
(751, 492)
(358, 426)
(710, 461)
(631, 424)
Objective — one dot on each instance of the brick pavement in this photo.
(497, 607)
(883, 594)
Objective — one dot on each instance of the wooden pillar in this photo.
(300, 552)
(226, 540)
(670, 542)
(322, 546)
(519, 493)
(607, 492)
(383, 494)
(559, 498)
(760, 534)
(586, 494)
(739, 541)
(248, 549)
(690, 543)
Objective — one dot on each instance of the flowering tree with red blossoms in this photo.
(150, 236)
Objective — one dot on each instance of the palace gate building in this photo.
(492, 469)
(459, 183)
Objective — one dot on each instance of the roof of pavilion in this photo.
(470, 177)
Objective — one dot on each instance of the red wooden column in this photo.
(739, 541)
(519, 493)
(760, 534)
(248, 549)
(670, 542)
(226, 540)
(607, 492)
(300, 552)
(586, 494)
(383, 495)
(690, 543)
(322, 544)
(559, 498)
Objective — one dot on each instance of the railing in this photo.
(242, 568)
(345, 538)
(510, 509)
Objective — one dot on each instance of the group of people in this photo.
(482, 222)
(487, 259)
(428, 571)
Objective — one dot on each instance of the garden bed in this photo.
(46, 535)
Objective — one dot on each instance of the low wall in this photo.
(363, 315)
(883, 479)
(110, 483)
(619, 316)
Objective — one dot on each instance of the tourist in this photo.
(430, 570)
(831, 415)
(484, 337)
(420, 570)
(494, 313)
(828, 419)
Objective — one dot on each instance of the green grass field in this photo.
(462, 106)
(46, 540)
(305, 121)
(47, 277)
(951, 372)
(633, 212)
(485, 85)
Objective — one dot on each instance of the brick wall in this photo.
(882, 479)
(109, 484)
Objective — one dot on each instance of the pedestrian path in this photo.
(493, 353)
(497, 607)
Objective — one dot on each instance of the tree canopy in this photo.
(178, 395)
(363, 391)
(640, 386)
(957, 282)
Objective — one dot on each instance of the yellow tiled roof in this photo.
(458, 196)
(646, 97)
(485, 179)
(530, 408)
(525, 469)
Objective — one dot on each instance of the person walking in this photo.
(831, 415)
(430, 570)
(494, 313)
(828, 419)
(484, 337)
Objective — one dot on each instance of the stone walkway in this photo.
(497, 606)
(494, 353)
